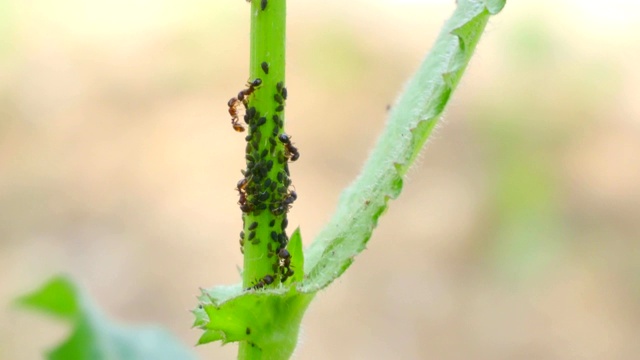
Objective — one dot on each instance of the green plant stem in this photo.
(266, 161)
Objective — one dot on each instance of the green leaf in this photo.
(94, 336)
(410, 123)
(263, 318)
(268, 319)
(297, 255)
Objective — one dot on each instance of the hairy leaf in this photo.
(410, 122)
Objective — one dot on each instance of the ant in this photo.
(233, 104)
(286, 274)
(244, 206)
(291, 152)
(242, 185)
(266, 280)
(284, 258)
(252, 85)
(288, 201)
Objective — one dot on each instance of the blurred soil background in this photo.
(516, 236)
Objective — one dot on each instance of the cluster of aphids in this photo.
(266, 183)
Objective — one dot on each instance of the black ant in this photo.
(290, 151)
(284, 264)
(284, 256)
(242, 184)
(288, 201)
(248, 91)
(266, 280)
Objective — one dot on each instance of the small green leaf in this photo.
(94, 337)
(262, 318)
(297, 255)
(57, 297)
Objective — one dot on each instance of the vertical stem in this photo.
(267, 175)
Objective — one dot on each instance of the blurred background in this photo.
(516, 236)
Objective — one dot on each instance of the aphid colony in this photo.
(261, 189)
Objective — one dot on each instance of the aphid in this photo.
(274, 236)
(272, 222)
(263, 4)
(278, 98)
(264, 196)
(253, 226)
(285, 222)
(251, 235)
(251, 112)
(284, 93)
(257, 136)
(248, 331)
(280, 108)
(283, 240)
(261, 121)
(265, 65)
(280, 86)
